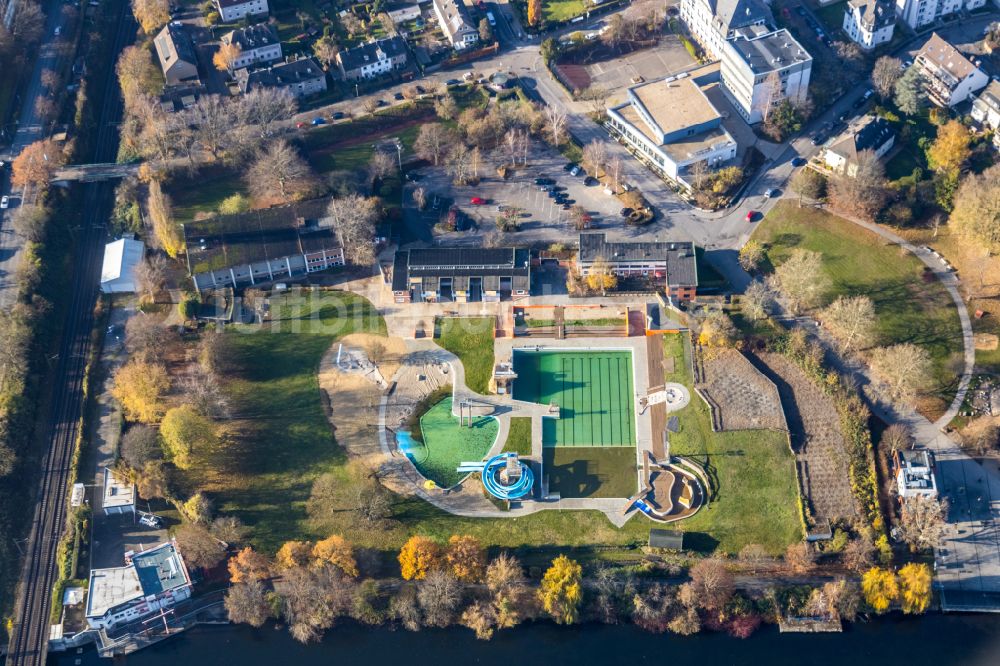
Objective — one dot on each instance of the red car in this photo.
(751, 215)
(477, 201)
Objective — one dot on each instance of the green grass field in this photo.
(471, 340)
(858, 262)
(446, 444)
(753, 471)
(203, 194)
(591, 471)
(519, 436)
(563, 10)
(593, 391)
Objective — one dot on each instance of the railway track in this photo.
(30, 634)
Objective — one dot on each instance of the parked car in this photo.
(625, 212)
(337, 115)
(299, 125)
(382, 102)
(452, 82)
(569, 166)
(818, 139)
(318, 121)
(575, 171)
(545, 181)
(751, 215)
(770, 192)
(589, 180)
(798, 161)
(477, 201)
(398, 97)
(149, 520)
(5, 202)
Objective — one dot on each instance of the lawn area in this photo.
(902, 164)
(471, 340)
(563, 10)
(356, 156)
(445, 444)
(753, 471)
(831, 15)
(590, 471)
(859, 262)
(519, 436)
(203, 193)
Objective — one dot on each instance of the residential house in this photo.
(152, 580)
(760, 68)
(373, 59)
(868, 133)
(176, 53)
(714, 22)
(869, 22)
(301, 78)
(949, 77)
(121, 257)
(461, 275)
(671, 264)
(258, 44)
(671, 126)
(403, 12)
(262, 246)
(914, 473)
(986, 107)
(453, 17)
(920, 13)
(234, 10)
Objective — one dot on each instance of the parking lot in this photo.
(542, 221)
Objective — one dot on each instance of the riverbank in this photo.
(942, 640)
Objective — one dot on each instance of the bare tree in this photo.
(922, 521)
(144, 337)
(905, 370)
(354, 217)
(459, 163)
(312, 599)
(439, 595)
(381, 165)
(595, 154)
(859, 554)
(150, 276)
(213, 122)
(420, 198)
(897, 437)
(433, 142)
(885, 73)
(372, 504)
(27, 23)
(757, 300)
(771, 94)
(712, 582)
(555, 123)
(264, 107)
(801, 556)
(326, 50)
(200, 548)
(246, 603)
(614, 171)
(279, 173)
(851, 320)
(801, 279)
(863, 192)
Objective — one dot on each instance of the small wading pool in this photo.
(446, 444)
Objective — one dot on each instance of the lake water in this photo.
(937, 640)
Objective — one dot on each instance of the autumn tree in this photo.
(485, 31)
(808, 184)
(717, 330)
(712, 583)
(801, 279)
(280, 174)
(466, 558)
(905, 369)
(151, 14)
(325, 49)
(294, 554)
(167, 233)
(751, 255)
(880, 589)
(446, 108)
(439, 595)
(534, 12)
(915, 587)
(503, 579)
(951, 148)
(922, 521)
(201, 549)
(336, 551)
(885, 73)
(757, 300)
(248, 565)
(561, 593)
(226, 57)
(851, 320)
(418, 556)
(37, 164)
(247, 603)
(601, 277)
(801, 557)
(153, 480)
(185, 431)
(139, 387)
(976, 214)
(197, 509)
(312, 598)
(861, 193)
(354, 217)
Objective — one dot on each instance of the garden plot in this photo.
(740, 396)
(817, 440)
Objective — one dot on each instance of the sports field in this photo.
(593, 391)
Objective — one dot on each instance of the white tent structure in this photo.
(120, 259)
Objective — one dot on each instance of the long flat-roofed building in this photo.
(760, 68)
(671, 125)
(675, 263)
(151, 580)
(461, 275)
(119, 495)
(262, 246)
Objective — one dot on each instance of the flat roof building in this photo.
(461, 275)
(761, 67)
(119, 495)
(151, 580)
(914, 473)
(261, 246)
(673, 264)
(121, 257)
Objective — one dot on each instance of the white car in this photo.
(769, 192)
(149, 520)
(4, 202)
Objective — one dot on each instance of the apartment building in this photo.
(234, 10)
(949, 77)
(760, 68)
(258, 44)
(301, 78)
(461, 275)
(920, 13)
(714, 22)
(671, 125)
(453, 17)
(373, 59)
(869, 22)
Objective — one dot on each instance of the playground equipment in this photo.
(504, 476)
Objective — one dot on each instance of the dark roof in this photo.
(680, 256)
(253, 37)
(875, 14)
(671, 539)
(177, 37)
(287, 73)
(872, 136)
(431, 264)
(360, 56)
(268, 233)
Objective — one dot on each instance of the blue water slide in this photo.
(494, 486)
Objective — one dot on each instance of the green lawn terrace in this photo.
(444, 443)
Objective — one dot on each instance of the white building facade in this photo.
(454, 20)
(986, 107)
(949, 77)
(234, 10)
(714, 22)
(920, 13)
(761, 68)
(258, 44)
(869, 22)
